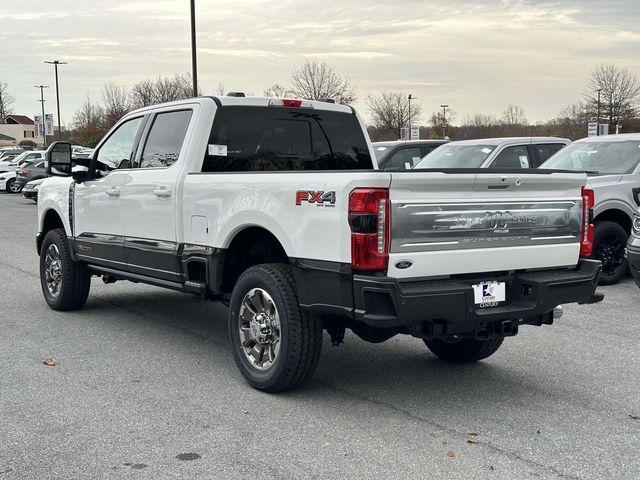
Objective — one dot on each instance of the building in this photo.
(19, 127)
(6, 140)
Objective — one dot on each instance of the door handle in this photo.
(162, 192)
(113, 191)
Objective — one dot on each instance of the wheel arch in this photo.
(249, 246)
(617, 216)
(49, 220)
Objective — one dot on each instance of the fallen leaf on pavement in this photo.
(473, 434)
(451, 453)
(491, 467)
(472, 441)
(635, 417)
(49, 362)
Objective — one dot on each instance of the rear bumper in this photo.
(633, 256)
(446, 307)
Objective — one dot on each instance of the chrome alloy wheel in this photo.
(259, 329)
(53, 270)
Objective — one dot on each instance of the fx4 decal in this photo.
(321, 198)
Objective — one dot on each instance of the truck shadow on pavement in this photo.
(401, 368)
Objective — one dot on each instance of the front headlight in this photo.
(636, 224)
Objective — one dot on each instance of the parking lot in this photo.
(145, 387)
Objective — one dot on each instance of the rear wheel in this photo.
(12, 186)
(609, 241)
(65, 282)
(465, 350)
(275, 344)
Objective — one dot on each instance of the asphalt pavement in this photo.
(144, 386)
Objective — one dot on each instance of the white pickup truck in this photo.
(276, 207)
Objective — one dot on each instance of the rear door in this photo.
(454, 223)
(149, 199)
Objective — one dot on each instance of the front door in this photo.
(97, 216)
(149, 199)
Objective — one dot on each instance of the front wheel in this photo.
(275, 344)
(65, 282)
(12, 186)
(465, 350)
(609, 241)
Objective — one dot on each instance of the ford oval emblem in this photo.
(403, 264)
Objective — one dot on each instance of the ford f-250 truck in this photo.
(276, 207)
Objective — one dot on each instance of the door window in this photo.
(546, 150)
(117, 151)
(513, 157)
(165, 139)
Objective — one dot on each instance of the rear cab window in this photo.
(253, 138)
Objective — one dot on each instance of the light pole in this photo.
(55, 63)
(194, 61)
(444, 120)
(411, 97)
(598, 118)
(42, 123)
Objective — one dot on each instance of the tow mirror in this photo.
(58, 158)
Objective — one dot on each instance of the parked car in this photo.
(12, 164)
(30, 171)
(30, 190)
(403, 154)
(8, 182)
(198, 196)
(512, 152)
(613, 165)
(9, 151)
(633, 248)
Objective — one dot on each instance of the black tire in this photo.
(464, 351)
(609, 242)
(300, 334)
(74, 277)
(9, 186)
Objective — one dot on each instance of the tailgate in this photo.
(453, 223)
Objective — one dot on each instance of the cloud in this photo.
(477, 56)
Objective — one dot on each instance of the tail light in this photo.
(23, 172)
(586, 238)
(369, 222)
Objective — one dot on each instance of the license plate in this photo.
(489, 294)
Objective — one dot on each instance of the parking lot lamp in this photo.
(598, 117)
(194, 61)
(444, 120)
(55, 63)
(411, 97)
(42, 122)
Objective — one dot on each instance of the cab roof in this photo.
(510, 141)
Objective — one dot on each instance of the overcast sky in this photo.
(477, 56)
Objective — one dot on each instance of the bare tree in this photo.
(318, 80)
(162, 89)
(6, 101)
(442, 121)
(142, 94)
(390, 111)
(514, 115)
(90, 115)
(276, 90)
(116, 103)
(220, 89)
(619, 93)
